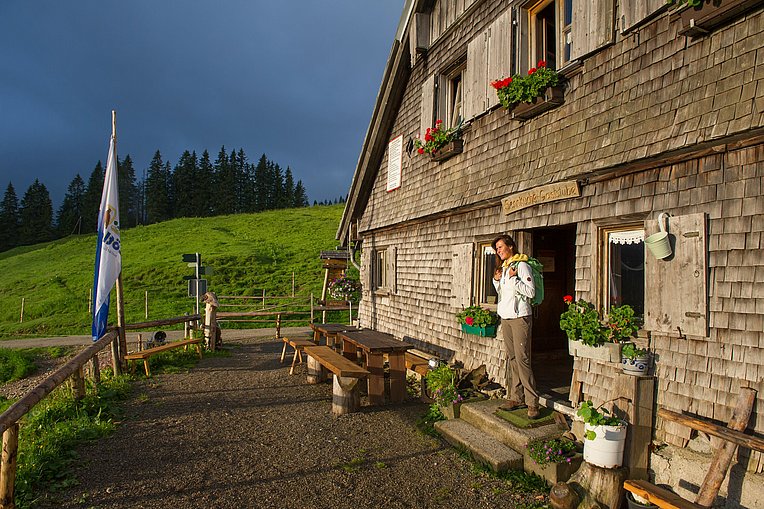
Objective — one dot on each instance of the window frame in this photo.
(480, 278)
(562, 34)
(447, 96)
(379, 277)
(603, 296)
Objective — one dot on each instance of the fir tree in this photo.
(157, 192)
(260, 185)
(91, 202)
(184, 180)
(129, 204)
(9, 219)
(36, 214)
(225, 185)
(300, 197)
(204, 192)
(287, 198)
(69, 216)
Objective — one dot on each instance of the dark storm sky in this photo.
(294, 79)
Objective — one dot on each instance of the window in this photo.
(383, 270)
(549, 32)
(455, 96)
(624, 268)
(379, 271)
(450, 105)
(485, 266)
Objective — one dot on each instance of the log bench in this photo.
(298, 345)
(144, 355)
(732, 437)
(346, 391)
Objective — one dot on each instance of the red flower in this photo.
(497, 84)
(421, 150)
(542, 63)
(567, 299)
(469, 320)
(428, 136)
(437, 123)
(531, 70)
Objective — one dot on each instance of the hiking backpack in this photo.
(537, 269)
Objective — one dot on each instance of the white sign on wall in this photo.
(394, 163)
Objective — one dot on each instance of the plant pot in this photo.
(607, 352)
(633, 504)
(639, 366)
(487, 331)
(700, 20)
(453, 411)
(606, 450)
(551, 98)
(553, 472)
(448, 150)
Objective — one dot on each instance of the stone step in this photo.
(483, 448)
(482, 415)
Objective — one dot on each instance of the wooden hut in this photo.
(662, 111)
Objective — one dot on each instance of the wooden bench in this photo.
(346, 392)
(144, 355)
(732, 437)
(298, 345)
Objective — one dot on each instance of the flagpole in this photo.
(122, 350)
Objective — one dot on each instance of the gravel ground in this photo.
(240, 432)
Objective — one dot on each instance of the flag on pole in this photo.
(108, 261)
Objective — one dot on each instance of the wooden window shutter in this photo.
(428, 105)
(676, 287)
(592, 26)
(461, 275)
(499, 53)
(391, 262)
(367, 277)
(633, 12)
(476, 77)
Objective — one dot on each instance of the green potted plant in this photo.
(441, 383)
(440, 143)
(634, 360)
(479, 321)
(528, 96)
(554, 459)
(604, 436)
(622, 324)
(587, 337)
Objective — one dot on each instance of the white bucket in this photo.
(606, 450)
(658, 243)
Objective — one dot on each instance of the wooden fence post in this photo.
(146, 304)
(292, 283)
(210, 323)
(8, 468)
(78, 383)
(21, 318)
(121, 323)
(96, 368)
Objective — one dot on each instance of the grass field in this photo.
(249, 253)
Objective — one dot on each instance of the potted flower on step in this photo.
(554, 459)
(441, 143)
(441, 382)
(634, 360)
(604, 437)
(478, 321)
(531, 95)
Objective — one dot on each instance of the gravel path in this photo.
(240, 432)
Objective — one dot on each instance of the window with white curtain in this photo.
(625, 269)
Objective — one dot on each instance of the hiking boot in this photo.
(510, 405)
(533, 412)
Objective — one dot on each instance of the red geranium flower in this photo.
(567, 299)
(542, 63)
(469, 320)
(421, 150)
(531, 70)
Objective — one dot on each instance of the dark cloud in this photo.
(295, 80)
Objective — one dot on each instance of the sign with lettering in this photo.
(394, 163)
(541, 194)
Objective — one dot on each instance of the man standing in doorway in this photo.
(513, 280)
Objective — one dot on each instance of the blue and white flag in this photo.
(108, 261)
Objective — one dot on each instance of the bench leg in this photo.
(283, 351)
(294, 360)
(316, 372)
(146, 367)
(346, 395)
(376, 365)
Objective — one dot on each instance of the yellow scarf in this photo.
(516, 258)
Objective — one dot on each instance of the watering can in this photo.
(658, 243)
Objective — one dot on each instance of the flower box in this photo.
(700, 20)
(448, 150)
(552, 97)
(608, 352)
(487, 331)
(553, 472)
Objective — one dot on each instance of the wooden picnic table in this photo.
(330, 331)
(375, 345)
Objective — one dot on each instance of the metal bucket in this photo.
(658, 243)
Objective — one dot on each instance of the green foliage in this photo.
(596, 416)
(441, 382)
(581, 322)
(555, 450)
(477, 317)
(9, 219)
(36, 213)
(16, 364)
(690, 3)
(425, 424)
(249, 253)
(436, 137)
(52, 430)
(345, 288)
(632, 351)
(621, 323)
(517, 89)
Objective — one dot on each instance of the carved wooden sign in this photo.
(541, 194)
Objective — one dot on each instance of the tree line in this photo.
(194, 187)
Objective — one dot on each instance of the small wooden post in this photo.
(78, 383)
(278, 326)
(146, 304)
(90, 301)
(346, 395)
(21, 318)
(115, 356)
(292, 283)
(263, 298)
(8, 468)
(311, 307)
(140, 342)
(211, 326)
(186, 329)
(96, 368)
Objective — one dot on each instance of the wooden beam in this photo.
(730, 435)
(661, 497)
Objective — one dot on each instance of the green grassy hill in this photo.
(248, 252)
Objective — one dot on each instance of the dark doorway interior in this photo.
(552, 365)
